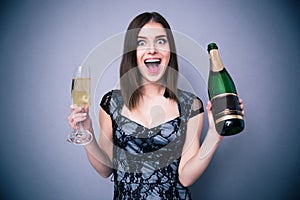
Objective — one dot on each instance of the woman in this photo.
(150, 129)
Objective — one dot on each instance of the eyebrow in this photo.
(159, 36)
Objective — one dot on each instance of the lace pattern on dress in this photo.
(146, 160)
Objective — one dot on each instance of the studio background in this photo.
(42, 41)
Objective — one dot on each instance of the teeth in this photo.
(152, 60)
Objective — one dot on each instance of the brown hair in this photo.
(130, 82)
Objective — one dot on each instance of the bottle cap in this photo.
(211, 46)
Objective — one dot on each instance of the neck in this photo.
(152, 90)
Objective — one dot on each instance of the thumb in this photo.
(86, 109)
(210, 117)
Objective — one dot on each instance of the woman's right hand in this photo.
(80, 114)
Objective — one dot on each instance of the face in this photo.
(153, 52)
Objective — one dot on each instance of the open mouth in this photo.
(153, 64)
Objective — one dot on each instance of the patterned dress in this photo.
(146, 160)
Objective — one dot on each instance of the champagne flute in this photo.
(80, 93)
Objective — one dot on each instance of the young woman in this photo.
(150, 129)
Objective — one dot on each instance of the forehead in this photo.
(152, 29)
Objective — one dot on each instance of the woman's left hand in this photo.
(211, 121)
(242, 106)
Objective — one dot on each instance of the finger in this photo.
(86, 108)
(78, 110)
(79, 117)
(70, 119)
(72, 123)
(243, 113)
(242, 106)
(208, 105)
(73, 107)
(240, 100)
(209, 114)
(74, 126)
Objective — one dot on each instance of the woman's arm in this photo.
(195, 159)
(99, 154)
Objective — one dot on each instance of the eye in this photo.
(141, 43)
(161, 41)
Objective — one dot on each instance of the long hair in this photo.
(130, 77)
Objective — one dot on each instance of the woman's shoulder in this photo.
(111, 99)
(186, 95)
(111, 93)
(190, 103)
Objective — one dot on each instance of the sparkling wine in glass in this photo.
(80, 92)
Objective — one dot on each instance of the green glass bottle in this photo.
(223, 95)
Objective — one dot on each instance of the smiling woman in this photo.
(150, 129)
(148, 36)
(153, 53)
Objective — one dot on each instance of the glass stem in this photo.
(81, 129)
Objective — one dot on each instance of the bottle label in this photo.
(226, 106)
(216, 63)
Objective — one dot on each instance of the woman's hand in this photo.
(212, 129)
(80, 114)
(211, 122)
(242, 106)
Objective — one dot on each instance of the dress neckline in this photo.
(150, 128)
(122, 104)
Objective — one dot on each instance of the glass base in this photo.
(80, 137)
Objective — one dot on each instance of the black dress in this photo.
(145, 161)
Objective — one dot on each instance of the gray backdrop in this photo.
(41, 42)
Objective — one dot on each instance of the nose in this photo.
(152, 49)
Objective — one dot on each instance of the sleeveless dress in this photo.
(146, 160)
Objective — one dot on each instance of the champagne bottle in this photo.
(223, 95)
